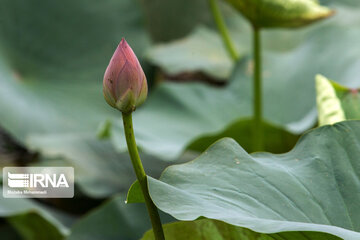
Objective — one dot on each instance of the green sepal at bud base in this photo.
(124, 84)
(281, 13)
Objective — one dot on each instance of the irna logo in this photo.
(41, 182)
(44, 180)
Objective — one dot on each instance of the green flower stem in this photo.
(141, 176)
(222, 29)
(258, 138)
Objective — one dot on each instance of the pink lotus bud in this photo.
(124, 84)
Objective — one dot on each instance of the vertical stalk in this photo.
(258, 137)
(141, 176)
(222, 29)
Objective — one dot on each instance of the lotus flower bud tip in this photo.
(124, 84)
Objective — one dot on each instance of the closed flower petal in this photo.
(124, 84)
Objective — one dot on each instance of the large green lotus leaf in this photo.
(336, 103)
(216, 230)
(314, 187)
(34, 220)
(118, 221)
